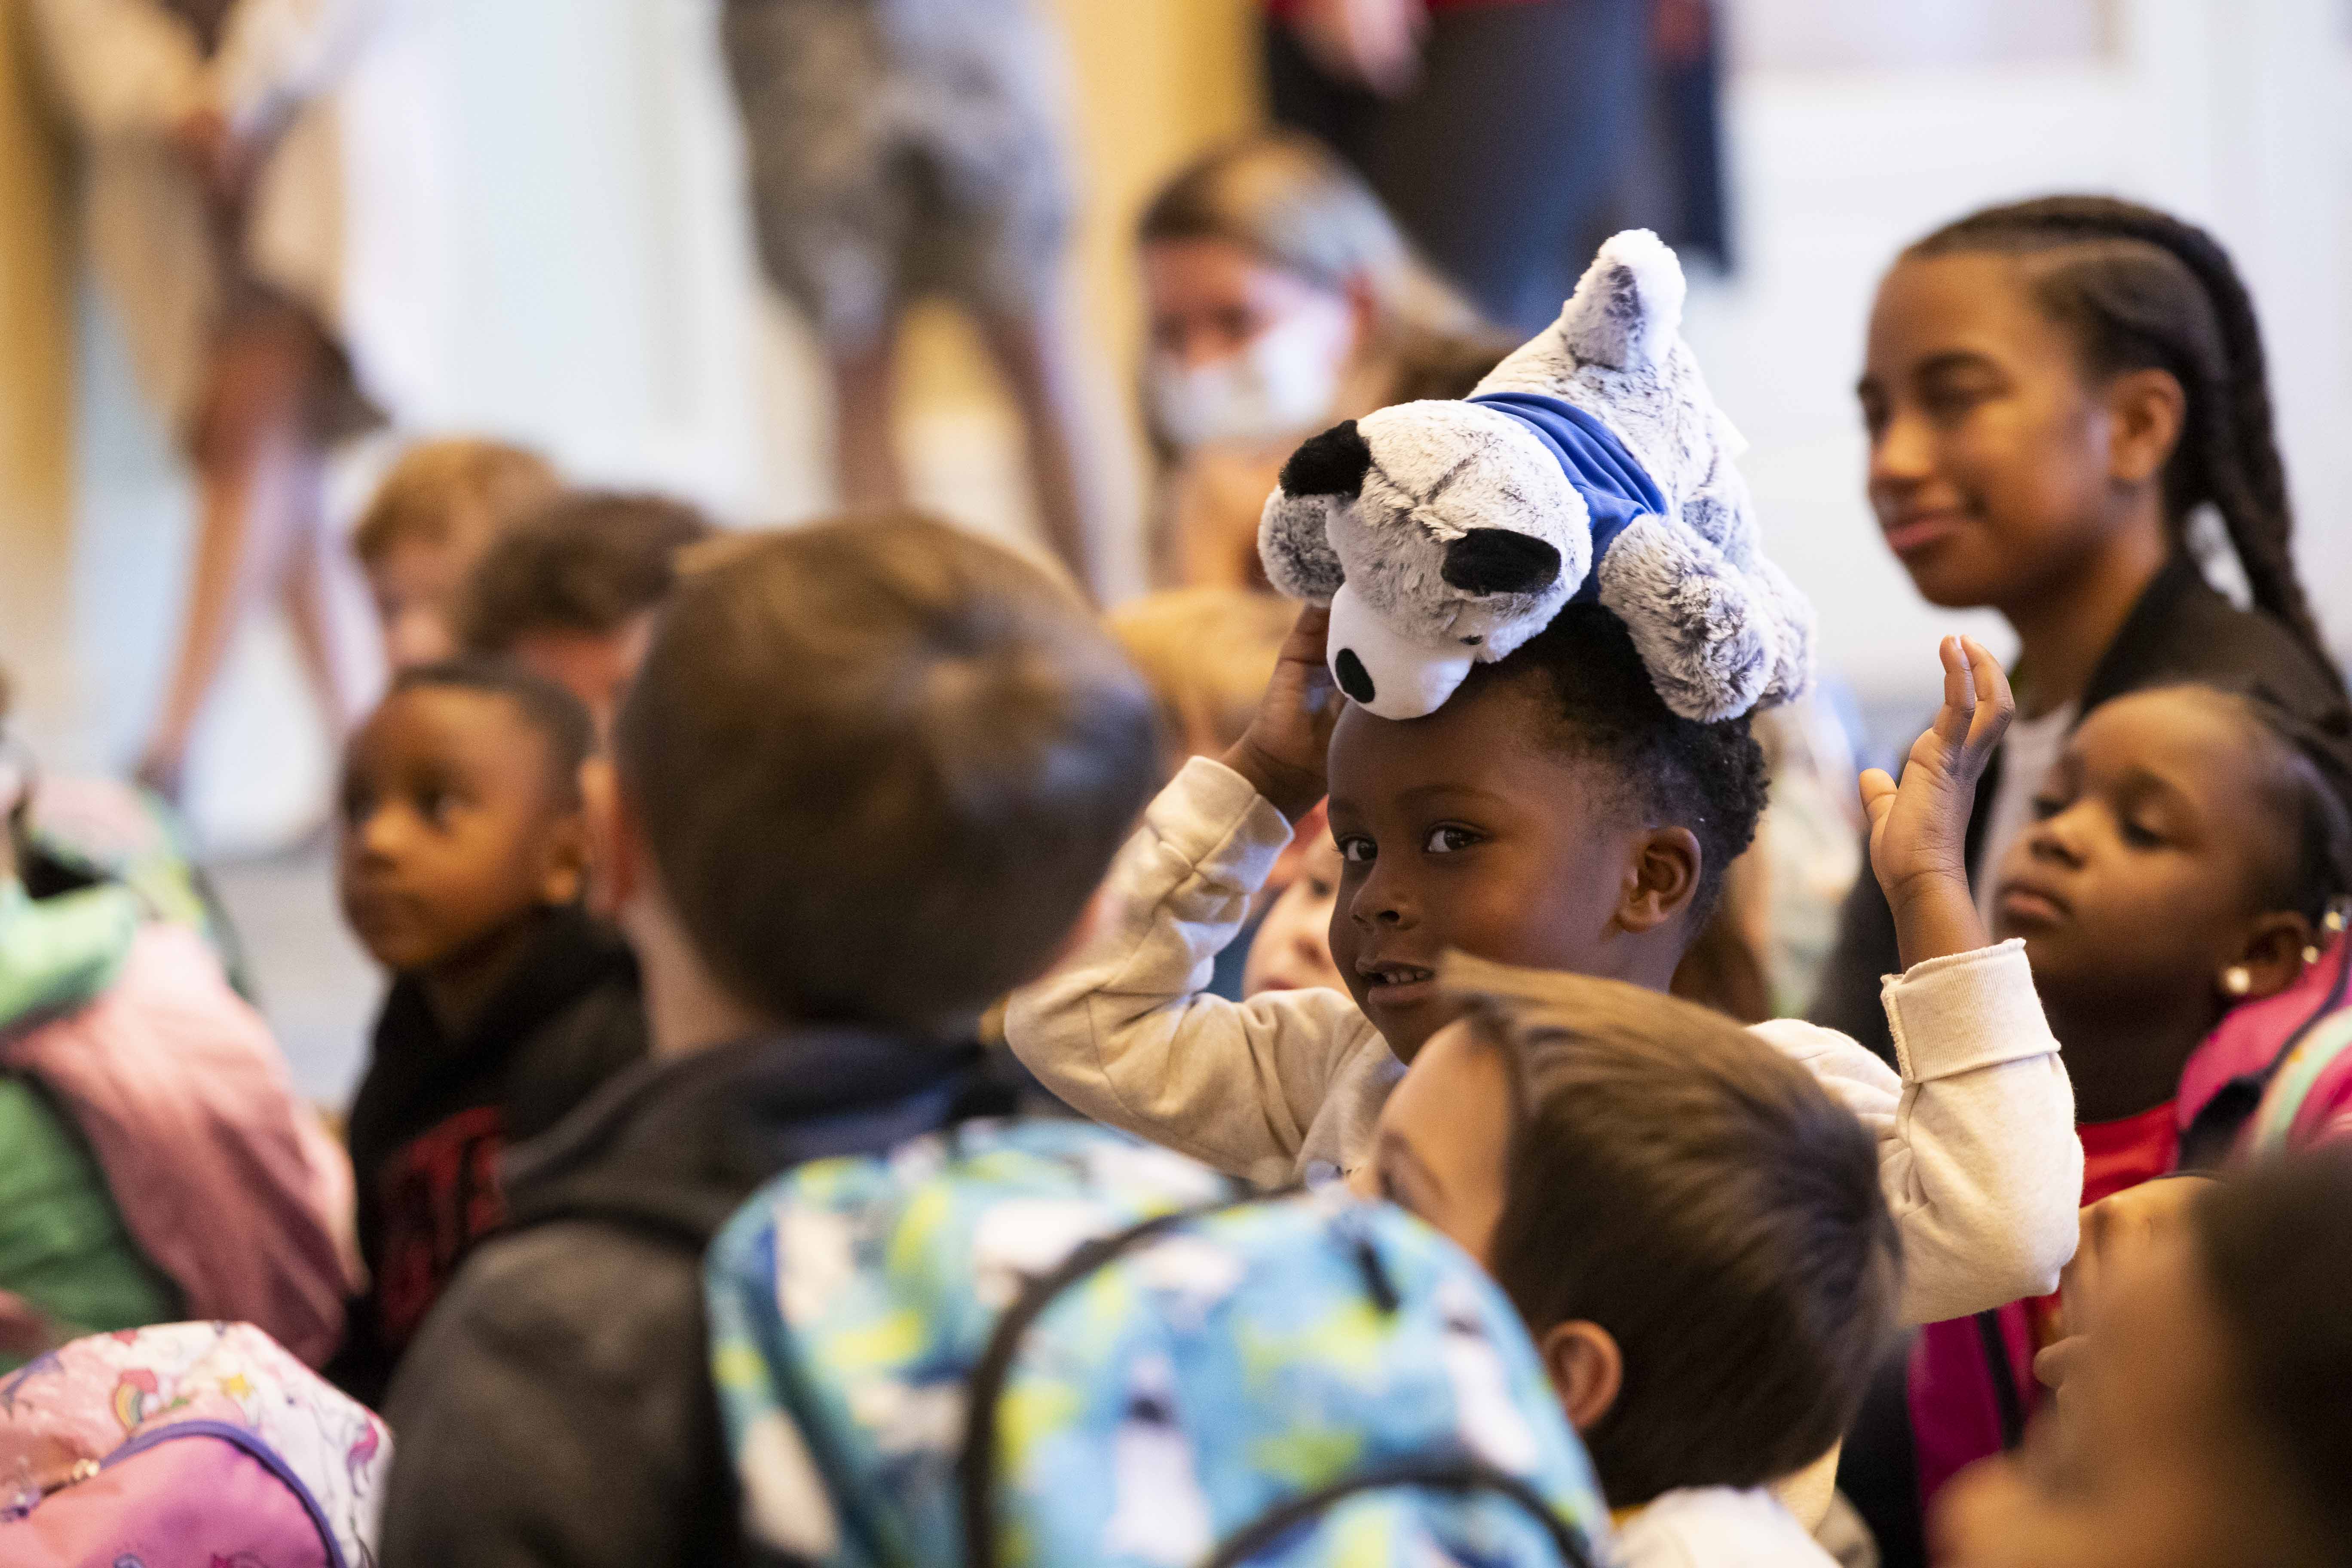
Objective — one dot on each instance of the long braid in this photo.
(2148, 291)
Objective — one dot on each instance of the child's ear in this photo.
(1661, 878)
(2270, 959)
(1587, 1369)
(2146, 409)
(563, 875)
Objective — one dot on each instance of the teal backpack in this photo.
(1030, 1343)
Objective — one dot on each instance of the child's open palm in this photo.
(1919, 828)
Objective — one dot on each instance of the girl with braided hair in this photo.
(2053, 389)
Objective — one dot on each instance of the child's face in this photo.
(2142, 880)
(2146, 1461)
(1293, 949)
(1989, 458)
(453, 826)
(415, 585)
(1436, 1155)
(1463, 830)
(596, 668)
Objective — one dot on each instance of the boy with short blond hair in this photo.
(433, 514)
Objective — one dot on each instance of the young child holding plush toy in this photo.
(1569, 805)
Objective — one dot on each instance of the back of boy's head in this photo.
(438, 488)
(556, 716)
(1208, 654)
(880, 767)
(1681, 1184)
(584, 563)
(2274, 1248)
(1595, 703)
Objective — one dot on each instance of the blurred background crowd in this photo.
(570, 224)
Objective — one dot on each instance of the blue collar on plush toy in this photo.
(1615, 487)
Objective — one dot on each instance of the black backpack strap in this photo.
(1464, 1476)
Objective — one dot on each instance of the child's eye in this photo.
(1356, 850)
(2046, 806)
(2140, 836)
(1448, 840)
(1320, 888)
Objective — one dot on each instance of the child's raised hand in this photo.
(1919, 828)
(1282, 752)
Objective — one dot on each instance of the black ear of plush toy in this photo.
(1591, 463)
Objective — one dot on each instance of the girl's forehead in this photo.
(1963, 303)
(2190, 741)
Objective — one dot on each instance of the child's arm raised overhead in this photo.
(1125, 1033)
(1977, 1146)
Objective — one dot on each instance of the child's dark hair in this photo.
(2307, 780)
(1676, 1181)
(1708, 778)
(2275, 1249)
(2140, 289)
(558, 716)
(881, 766)
(586, 563)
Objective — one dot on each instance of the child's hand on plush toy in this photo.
(1919, 828)
(1282, 752)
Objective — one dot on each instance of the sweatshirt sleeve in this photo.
(1125, 1033)
(1976, 1149)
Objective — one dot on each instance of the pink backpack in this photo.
(186, 1446)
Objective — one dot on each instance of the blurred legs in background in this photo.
(1501, 162)
(262, 529)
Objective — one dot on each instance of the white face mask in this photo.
(1282, 383)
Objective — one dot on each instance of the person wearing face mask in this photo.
(1283, 300)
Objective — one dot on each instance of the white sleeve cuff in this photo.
(1965, 1011)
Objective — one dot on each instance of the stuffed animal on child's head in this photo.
(1591, 465)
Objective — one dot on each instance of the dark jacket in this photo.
(436, 1112)
(557, 1410)
(2181, 630)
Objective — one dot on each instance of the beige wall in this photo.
(35, 355)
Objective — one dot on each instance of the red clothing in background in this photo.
(1956, 1411)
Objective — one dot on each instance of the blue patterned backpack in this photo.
(1021, 1344)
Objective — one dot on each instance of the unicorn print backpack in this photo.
(1029, 1344)
(184, 1446)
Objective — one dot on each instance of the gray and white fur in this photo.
(1443, 533)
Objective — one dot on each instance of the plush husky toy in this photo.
(1590, 465)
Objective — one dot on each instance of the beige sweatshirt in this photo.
(1976, 1149)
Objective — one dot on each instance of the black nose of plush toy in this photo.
(1331, 464)
(1497, 561)
(1354, 679)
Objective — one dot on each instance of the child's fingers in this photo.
(1877, 794)
(1953, 718)
(1308, 635)
(1995, 704)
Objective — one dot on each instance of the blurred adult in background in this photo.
(1283, 300)
(1497, 131)
(211, 204)
(904, 148)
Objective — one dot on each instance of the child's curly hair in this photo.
(1709, 778)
